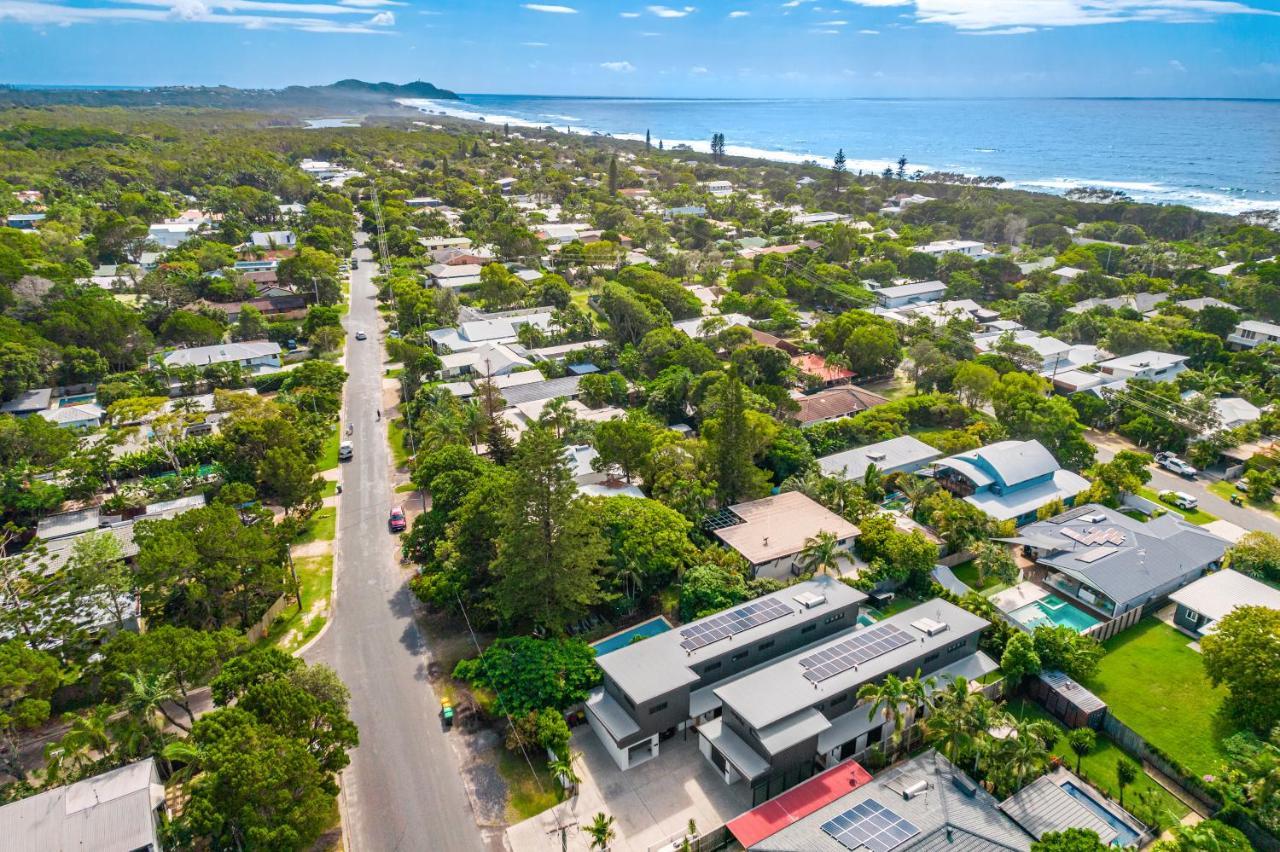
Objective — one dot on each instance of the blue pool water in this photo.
(1053, 611)
(76, 400)
(1125, 836)
(622, 639)
(865, 620)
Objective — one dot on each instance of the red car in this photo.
(396, 522)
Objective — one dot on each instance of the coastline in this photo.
(1136, 189)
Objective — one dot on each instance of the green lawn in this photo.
(1227, 490)
(968, 574)
(1099, 766)
(395, 435)
(322, 526)
(406, 487)
(1156, 685)
(526, 797)
(330, 488)
(329, 453)
(1199, 516)
(294, 629)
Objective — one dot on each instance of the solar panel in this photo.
(730, 623)
(863, 646)
(872, 825)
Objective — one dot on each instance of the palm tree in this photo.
(873, 483)
(146, 697)
(84, 744)
(474, 423)
(558, 415)
(1082, 741)
(885, 698)
(915, 488)
(1126, 774)
(601, 831)
(190, 755)
(561, 768)
(1022, 756)
(916, 692)
(821, 554)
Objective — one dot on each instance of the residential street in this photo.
(402, 790)
(1109, 444)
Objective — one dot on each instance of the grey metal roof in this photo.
(1215, 595)
(889, 456)
(1068, 689)
(1018, 461)
(112, 812)
(918, 288)
(550, 389)
(1152, 554)
(28, 401)
(975, 821)
(221, 353)
(1043, 806)
(659, 665)
(781, 689)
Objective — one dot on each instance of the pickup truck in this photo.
(1172, 463)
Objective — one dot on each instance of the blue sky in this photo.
(852, 48)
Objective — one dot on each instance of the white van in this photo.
(345, 451)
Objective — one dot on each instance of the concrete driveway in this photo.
(652, 803)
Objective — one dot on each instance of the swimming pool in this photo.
(1125, 835)
(623, 638)
(865, 620)
(77, 400)
(1053, 611)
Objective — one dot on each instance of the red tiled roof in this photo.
(818, 366)
(797, 803)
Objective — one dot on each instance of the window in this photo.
(710, 667)
(657, 708)
(808, 629)
(741, 655)
(954, 645)
(837, 616)
(764, 646)
(930, 658)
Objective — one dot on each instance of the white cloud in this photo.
(1013, 17)
(698, 69)
(551, 10)
(373, 4)
(999, 32)
(628, 14)
(383, 19)
(620, 67)
(533, 43)
(1176, 65)
(738, 13)
(868, 32)
(832, 23)
(825, 32)
(299, 16)
(668, 12)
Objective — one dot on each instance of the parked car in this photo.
(346, 451)
(396, 521)
(1181, 499)
(360, 335)
(1172, 463)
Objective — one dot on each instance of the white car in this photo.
(1181, 499)
(360, 335)
(346, 451)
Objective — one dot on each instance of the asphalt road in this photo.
(402, 789)
(1245, 516)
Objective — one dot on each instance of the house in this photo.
(1009, 480)
(24, 221)
(478, 328)
(834, 403)
(274, 239)
(1110, 563)
(1054, 356)
(423, 202)
(904, 454)
(925, 803)
(764, 338)
(771, 533)
(28, 402)
(172, 234)
(1198, 305)
(251, 354)
(910, 294)
(486, 359)
(506, 184)
(805, 220)
(968, 248)
(1202, 604)
(710, 325)
(454, 277)
(941, 313)
(433, 244)
(1250, 333)
(1150, 365)
(85, 415)
(1067, 273)
(118, 811)
(1234, 412)
(560, 233)
(1059, 801)
(718, 187)
(652, 689)
(686, 210)
(823, 370)
(781, 717)
(1140, 302)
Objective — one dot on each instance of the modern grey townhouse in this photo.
(800, 712)
(657, 687)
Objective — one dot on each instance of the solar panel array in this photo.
(722, 519)
(872, 825)
(731, 623)
(1094, 536)
(866, 644)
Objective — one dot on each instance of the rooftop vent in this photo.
(877, 455)
(929, 627)
(809, 600)
(1094, 519)
(964, 783)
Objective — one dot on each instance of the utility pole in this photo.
(563, 831)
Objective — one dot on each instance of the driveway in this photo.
(1108, 444)
(402, 789)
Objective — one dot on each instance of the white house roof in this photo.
(918, 288)
(780, 525)
(221, 353)
(1215, 595)
(1148, 360)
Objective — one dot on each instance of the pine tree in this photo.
(506, 129)
(660, 145)
(902, 167)
(838, 169)
(736, 473)
(613, 175)
(444, 166)
(646, 140)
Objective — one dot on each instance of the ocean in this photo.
(1218, 155)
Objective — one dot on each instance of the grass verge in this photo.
(1154, 683)
(322, 526)
(315, 575)
(1196, 516)
(526, 796)
(1227, 490)
(395, 435)
(329, 453)
(330, 488)
(406, 488)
